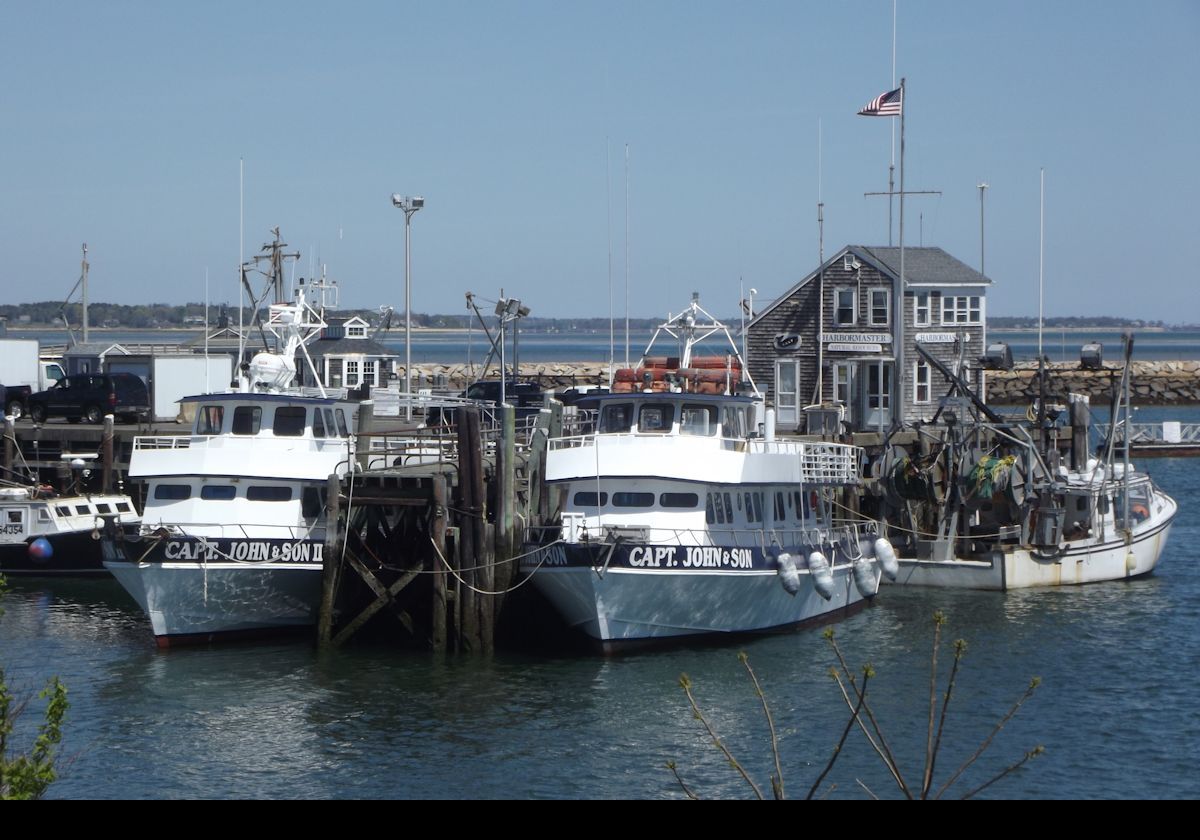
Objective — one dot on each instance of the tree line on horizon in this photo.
(163, 315)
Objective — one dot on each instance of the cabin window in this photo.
(679, 500)
(780, 509)
(318, 423)
(330, 423)
(628, 499)
(14, 517)
(757, 498)
(312, 501)
(172, 492)
(921, 310)
(218, 492)
(846, 310)
(962, 309)
(209, 420)
(656, 418)
(343, 429)
(587, 499)
(123, 507)
(710, 510)
(268, 494)
(616, 419)
(83, 510)
(102, 508)
(247, 420)
(880, 303)
(62, 510)
(43, 515)
(698, 420)
(289, 421)
(728, 508)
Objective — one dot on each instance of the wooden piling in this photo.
(440, 515)
(366, 422)
(10, 441)
(471, 507)
(330, 560)
(505, 504)
(106, 454)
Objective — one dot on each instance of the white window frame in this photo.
(370, 372)
(837, 307)
(350, 373)
(921, 310)
(922, 380)
(962, 309)
(887, 307)
(843, 383)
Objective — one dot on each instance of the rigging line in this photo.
(477, 591)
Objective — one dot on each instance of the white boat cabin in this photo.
(691, 469)
(254, 465)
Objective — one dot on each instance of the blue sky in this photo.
(124, 122)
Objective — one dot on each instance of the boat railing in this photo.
(1168, 431)
(438, 444)
(841, 539)
(162, 442)
(225, 530)
(829, 463)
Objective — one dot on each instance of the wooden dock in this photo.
(428, 530)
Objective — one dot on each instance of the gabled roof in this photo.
(926, 266)
(350, 346)
(922, 267)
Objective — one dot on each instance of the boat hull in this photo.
(74, 553)
(1018, 567)
(616, 603)
(196, 590)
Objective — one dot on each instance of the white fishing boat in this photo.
(232, 535)
(682, 514)
(43, 533)
(1014, 518)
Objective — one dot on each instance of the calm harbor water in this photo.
(1120, 665)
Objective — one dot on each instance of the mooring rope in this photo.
(478, 591)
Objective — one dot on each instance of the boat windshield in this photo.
(616, 419)
(698, 420)
(656, 418)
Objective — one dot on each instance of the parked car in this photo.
(91, 396)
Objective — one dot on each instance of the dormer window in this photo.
(356, 331)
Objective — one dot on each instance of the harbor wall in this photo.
(1153, 383)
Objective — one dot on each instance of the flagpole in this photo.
(892, 164)
(899, 304)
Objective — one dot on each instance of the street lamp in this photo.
(508, 310)
(409, 206)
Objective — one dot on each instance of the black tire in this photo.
(15, 409)
(93, 414)
(37, 413)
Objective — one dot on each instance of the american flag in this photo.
(885, 105)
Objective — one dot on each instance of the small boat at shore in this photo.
(681, 513)
(1015, 517)
(43, 533)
